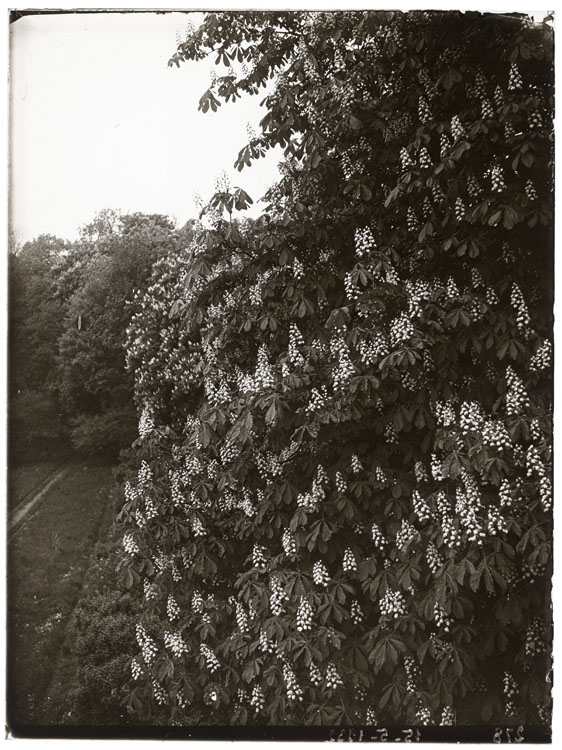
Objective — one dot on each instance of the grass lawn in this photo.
(24, 477)
(46, 566)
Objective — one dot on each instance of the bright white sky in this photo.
(99, 120)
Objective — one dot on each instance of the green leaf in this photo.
(495, 217)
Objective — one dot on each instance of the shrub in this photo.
(104, 433)
(34, 425)
(104, 626)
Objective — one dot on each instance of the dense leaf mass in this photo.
(97, 279)
(342, 512)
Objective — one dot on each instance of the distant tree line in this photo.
(69, 308)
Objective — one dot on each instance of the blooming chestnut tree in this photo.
(341, 510)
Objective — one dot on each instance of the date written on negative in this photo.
(374, 735)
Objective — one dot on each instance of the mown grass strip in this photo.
(24, 478)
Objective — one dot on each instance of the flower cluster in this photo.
(371, 351)
(444, 145)
(465, 509)
(146, 644)
(344, 369)
(267, 645)
(541, 359)
(412, 220)
(136, 669)
(510, 686)
(451, 535)
(390, 434)
(277, 596)
(423, 715)
(341, 484)
(436, 468)
(356, 613)
(197, 527)
(258, 556)
(320, 574)
(268, 464)
(471, 416)
(496, 523)
(294, 691)
(257, 699)
(172, 608)
(317, 400)
(349, 561)
(263, 376)
(420, 472)
(401, 329)
(405, 534)
(146, 423)
(530, 191)
(197, 602)
(437, 193)
(393, 604)
(406, 161)
(495, 434)
(545, 492)
(351, 290)
(441, 618)
(433, 558)
(175, 643)
(241, 618)
(159, 693)
(457, 129)
(534, 641)
(298, 269)
(288, 542)
(210, 658)
(296, 341)
(304, 615)
(460, 209)
(315, 674)
(516, 397)
(424, 158)
(412, 674)
(498, 179)
(332, 677)
(377, 537)
(522, 313)
(515, 81)
(364, 242)
(444, 413)
(421, 508)
(424, 112)
(473, 186)
(129, 545)
(229, 451)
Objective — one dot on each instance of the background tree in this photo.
(111, 262)
(342, 508)
(35, 323)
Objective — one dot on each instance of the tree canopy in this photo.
(342, 507)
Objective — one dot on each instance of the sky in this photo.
(98, 120)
